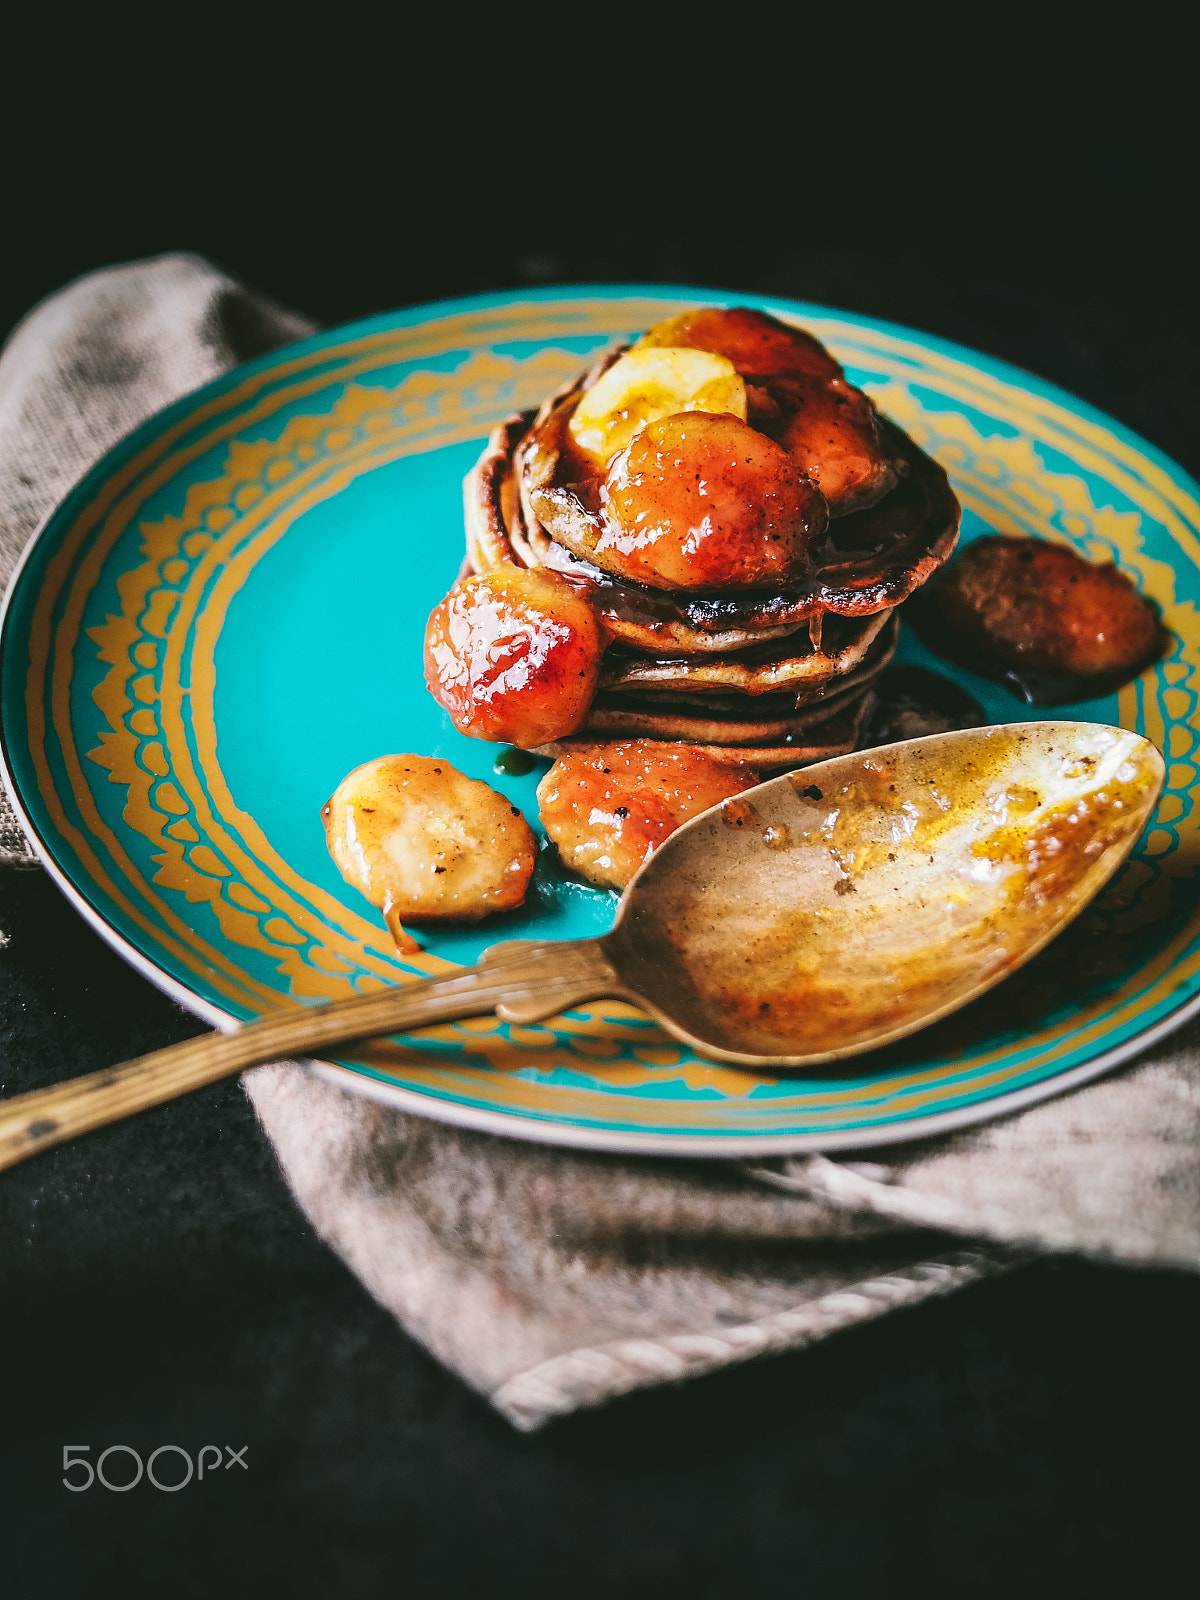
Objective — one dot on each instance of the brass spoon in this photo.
(817, 916)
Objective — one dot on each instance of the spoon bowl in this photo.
(819, 915)
(847, 904)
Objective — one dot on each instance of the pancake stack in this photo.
(763, 677)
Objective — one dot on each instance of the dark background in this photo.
(1027, 194)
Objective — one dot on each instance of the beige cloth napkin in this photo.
(552, 1279)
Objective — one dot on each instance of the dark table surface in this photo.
(1035, 1434)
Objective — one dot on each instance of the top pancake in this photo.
(867, 562)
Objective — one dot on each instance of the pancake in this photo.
(778, 746)
(852, 651)
(865, 562)
(672, 716)
(868, 561)
(660, 712)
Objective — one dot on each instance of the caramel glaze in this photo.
(866, 562)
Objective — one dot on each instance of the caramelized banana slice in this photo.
(706, 502)
(513, 654)
(760, 346)
(645, 385)
(425, 843)
(1040, 605)
(608, 807)
(832, 434)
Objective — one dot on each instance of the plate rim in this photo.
(561, 1133)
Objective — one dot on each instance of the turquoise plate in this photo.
(226, 616)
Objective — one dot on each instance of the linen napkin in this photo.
(553, 1279)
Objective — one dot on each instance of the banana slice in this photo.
(646, 385)
(426, 844)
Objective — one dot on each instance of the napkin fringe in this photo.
(589, 1376)
(840, 1186)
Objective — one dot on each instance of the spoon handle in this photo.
(525, 980)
